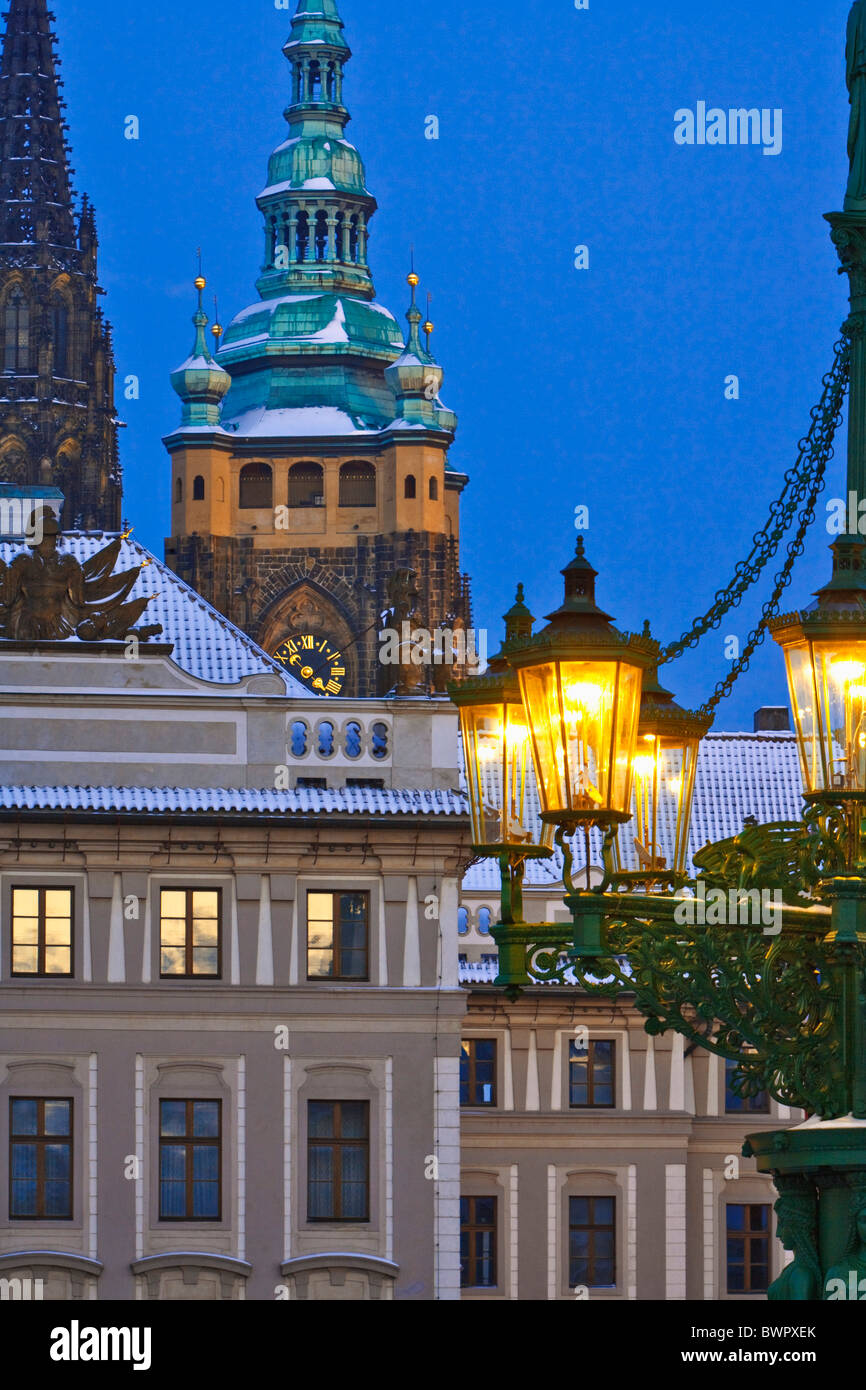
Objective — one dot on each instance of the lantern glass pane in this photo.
(656, 838)
(500, 776)
(827, 681)
(584, 720)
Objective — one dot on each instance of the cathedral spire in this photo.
(57, 415)
(316, 204)
(35, 190)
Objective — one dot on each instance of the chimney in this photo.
(772, 719)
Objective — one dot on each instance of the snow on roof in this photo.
(206, 645)
(362, 801)
(305, 421)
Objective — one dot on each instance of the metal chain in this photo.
(806, 478)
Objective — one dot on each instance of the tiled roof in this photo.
(738, 775)
(206, 645)
(362, 801)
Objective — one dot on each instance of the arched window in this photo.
(198, 489)
(16, 334)
(299, 738)
(326, 739)
(357, 485)
(434, 490)
(462, 921)
(302, 240)
(221, 490)
(306, 485)
(341, 236)
(60, 326)
(321, 236)
(315, 81)
(353, 239)
(409, 486)
(484, 921)
(178, 490)
(256, 486)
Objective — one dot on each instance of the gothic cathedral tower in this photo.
(311, 488)
(57, 417)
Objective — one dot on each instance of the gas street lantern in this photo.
(497, 752)
(655, 841)
(580, 681)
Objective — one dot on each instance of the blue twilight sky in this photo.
(602, 387)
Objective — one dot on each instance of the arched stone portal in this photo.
(306, 611)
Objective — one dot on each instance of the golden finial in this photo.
(217, 329)
(428, 326)
(200, 281)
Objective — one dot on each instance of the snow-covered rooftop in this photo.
(206, 645)
(360, 801)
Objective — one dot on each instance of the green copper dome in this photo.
(199, 381)
(316, 354)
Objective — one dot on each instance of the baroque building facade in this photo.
(57, 415)
(311, 485)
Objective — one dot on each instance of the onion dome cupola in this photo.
(200, 381)
(416, 377)
(316, 205)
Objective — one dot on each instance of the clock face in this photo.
(315, 661)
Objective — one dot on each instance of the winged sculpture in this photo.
(48, 596)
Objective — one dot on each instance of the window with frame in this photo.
(338, 1160)
(478, 1071)
(190, 936)
(42, 926)
(40, 1159)
(306, 485)
(591, 1074)
(592, 1242)
(338, 935)
(190, 1160)
(748, 1247)
(478, 1242)
(742, 1105)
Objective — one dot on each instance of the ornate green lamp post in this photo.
(782, 995)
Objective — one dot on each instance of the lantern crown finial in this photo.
(518, 620)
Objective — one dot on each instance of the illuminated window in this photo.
(42, 931)
(40, 1159)
(190, 933)
(337, 936)
(189, 1160)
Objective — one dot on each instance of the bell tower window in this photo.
(198, 489)
(303, 238)
(321, 236)
(16, 334)
(409, 486)
(256, 486)
(357, 485)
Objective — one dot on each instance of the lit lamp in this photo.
(497, 752)
(498, 762)
(825, 656)
(663, 787)
(580, 681)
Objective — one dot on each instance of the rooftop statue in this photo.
(855, 56)
(46, 596)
